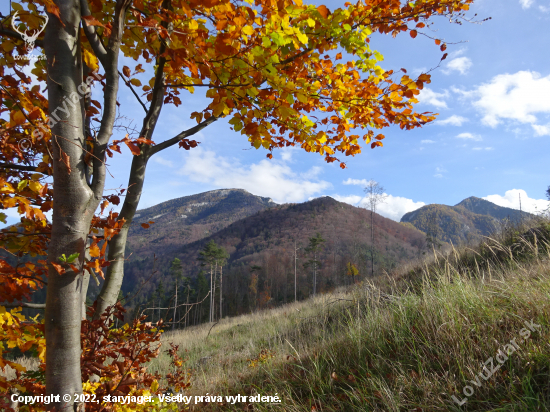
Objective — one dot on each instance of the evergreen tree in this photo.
(315, 244)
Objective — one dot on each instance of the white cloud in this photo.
(460, 64)
(454, 120)
(482, 148)
(439, 172)
(544, 9)
(525, 4)
(356, 182)
(428, 96)
(269, 178)
(541, 130)
(518, 97)
(469, 136)
(287, 152)
(163, 161)
(394, 207)
(511, 200)
(350, 200)
(427, 141)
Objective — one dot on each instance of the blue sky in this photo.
(491, 139)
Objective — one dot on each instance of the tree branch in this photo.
(91, 34)
(10, 33)
(133, 91)
(110, 65)
(18, 167)
(24, 305)
(182, 135)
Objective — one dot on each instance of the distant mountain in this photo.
(465, 222)
(191, 218)
(267, 239)
(484, 207)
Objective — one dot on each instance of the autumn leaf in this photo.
(133, 147)
(413, 33)
(94, 250)
(92, 21)
(323, 10)
(126, 71)
(65, 158)
(90, 59)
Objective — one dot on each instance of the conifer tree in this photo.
(315, 244)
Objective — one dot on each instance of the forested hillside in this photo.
(466, 222)
(260, 269)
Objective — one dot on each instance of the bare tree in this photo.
(375, 195)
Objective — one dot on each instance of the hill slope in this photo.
(191, 218)
(466, 222)
(267, 239)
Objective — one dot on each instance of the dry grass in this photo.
(406, 342)
(30, 363)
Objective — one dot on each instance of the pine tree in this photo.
(314, 247)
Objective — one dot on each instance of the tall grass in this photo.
(407, 341)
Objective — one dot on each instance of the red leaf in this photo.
(145, 225)
(443, 47)
(444, 56)
(413, 33)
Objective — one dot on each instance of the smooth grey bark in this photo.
(71, 216)
(75, 198)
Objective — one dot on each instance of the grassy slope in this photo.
(404, 343)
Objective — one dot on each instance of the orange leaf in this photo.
(126, 71)
(92, 21)
(414, 33)
(437, 42)
(66, 159)
(322, 9)
(58, 268)
(133, 147)
(94, 250)
(145, 225)
(338, 56)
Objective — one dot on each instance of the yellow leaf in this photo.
(35, 186)
(94, 250)
(154, 386)
(248, 30)
(91, 60)
(193, 25)
(18, 117)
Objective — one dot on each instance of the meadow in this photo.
(469, 323)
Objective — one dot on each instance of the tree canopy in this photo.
(283, 73)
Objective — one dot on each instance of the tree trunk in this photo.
(175, 308)
(117, 245)
(73, 204)
(221, 280)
